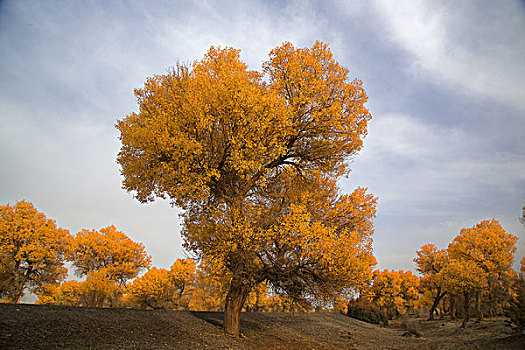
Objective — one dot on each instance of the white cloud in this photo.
(482, 56)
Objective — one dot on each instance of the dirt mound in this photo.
(59, 327)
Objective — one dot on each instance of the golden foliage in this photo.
(485, 244)
(32, 250)
(110, 251)
(221, 141)
(395, 291)
(167, 289)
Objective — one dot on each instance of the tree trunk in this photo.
(437, 299)
(452, 299)
(479, 313)
(234, 303)
(466, 308)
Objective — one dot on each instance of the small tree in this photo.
(33, 251)
(430, 262)
(155, 289)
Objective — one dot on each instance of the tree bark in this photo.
(452, 299)
(437, 299)
(234, 302)
(479, 313)
(466, 308)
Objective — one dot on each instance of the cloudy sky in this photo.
(445, 79)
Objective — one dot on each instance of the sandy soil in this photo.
(57, 327)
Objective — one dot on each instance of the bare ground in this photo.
(59, 327)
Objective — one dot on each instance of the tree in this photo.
(466, 278)
(165, 289)
(395, 291)
(60, 294)
(155, 289)
(105, 255)
(183, 274)
(488, 246)
(522, 217)
(430, 262)
(110, 251)
(209, 291)
(32, 250)
(212, 137)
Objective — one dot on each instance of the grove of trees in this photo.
(472, 276)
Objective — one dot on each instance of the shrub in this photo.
(363, 310)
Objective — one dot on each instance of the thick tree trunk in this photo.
(234, 303)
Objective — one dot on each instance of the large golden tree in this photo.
(227, 144)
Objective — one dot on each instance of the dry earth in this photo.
(59, 327)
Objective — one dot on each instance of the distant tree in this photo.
(430, 262)
(165, 289)
(105, 255)
(60, 294)
(466, 278)
(394, 291)
(155, 289)
(209, 291)
(111, 252)
(183, 274)
(488, 246)
(33, 251)
(97, 290)
(215, 137)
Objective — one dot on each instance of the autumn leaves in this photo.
(33, 252)
(476, 264)
(253, 158)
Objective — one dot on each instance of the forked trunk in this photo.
(234, 303)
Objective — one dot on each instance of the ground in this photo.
(60, 327)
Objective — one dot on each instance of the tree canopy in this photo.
(109, 252)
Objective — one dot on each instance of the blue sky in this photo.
(445, 79)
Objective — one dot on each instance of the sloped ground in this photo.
(58, 327)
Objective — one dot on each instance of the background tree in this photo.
(488, 246)
(155, 289)
(210, 290)
(213, 136)
(393, 291)
(32, 251)
(183, 274)
(108, 253)
(466, 278)
(60, 294)
(430, 262)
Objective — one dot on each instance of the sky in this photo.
(445, 80)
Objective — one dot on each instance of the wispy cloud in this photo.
(481, 55)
